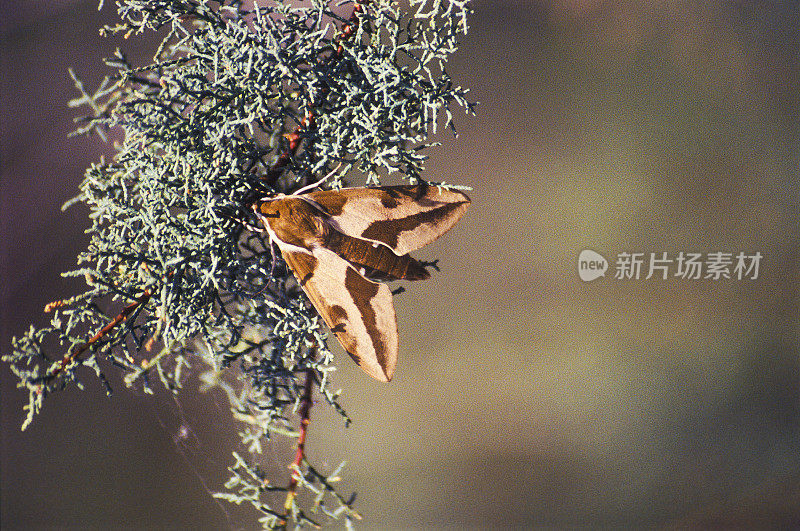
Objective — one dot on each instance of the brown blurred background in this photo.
(524, 397)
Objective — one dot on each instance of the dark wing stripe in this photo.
(359, 312)
(389, 231)
(302, 265)
(367, 291)
(374, 260)
(354, 210)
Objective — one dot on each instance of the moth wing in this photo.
(403, 217)
(358, 311)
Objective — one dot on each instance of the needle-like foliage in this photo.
(241, 100)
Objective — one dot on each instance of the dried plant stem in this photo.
(300, 455)
(295, 138)
(121, 317)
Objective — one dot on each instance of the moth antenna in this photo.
(318, 183)
(248, 226)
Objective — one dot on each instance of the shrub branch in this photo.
(241, 100)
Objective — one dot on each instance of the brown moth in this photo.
(341, 245)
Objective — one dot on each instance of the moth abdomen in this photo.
(376, 261)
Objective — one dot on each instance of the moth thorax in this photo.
(294, 221)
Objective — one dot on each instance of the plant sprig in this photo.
(239, 101)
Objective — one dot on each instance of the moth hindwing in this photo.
(342, 244)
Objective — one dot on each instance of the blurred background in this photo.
(524, 397)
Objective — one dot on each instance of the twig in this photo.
(121, 316)
(300, 455)
(295, 138)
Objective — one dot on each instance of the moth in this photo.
(342, 245)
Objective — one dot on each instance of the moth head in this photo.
(267, 208)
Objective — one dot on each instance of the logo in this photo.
(715, 265)
(591, 265)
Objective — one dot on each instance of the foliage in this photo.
(240, 101)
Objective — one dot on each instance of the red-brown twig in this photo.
(300, 455)
(295, 138)
(80, 349)
(348, 29)
(293, 144)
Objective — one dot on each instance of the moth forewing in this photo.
(403, 217)
(358, 311)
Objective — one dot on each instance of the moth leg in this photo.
(274, 257)
(434, 264)
(252, 228)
